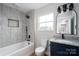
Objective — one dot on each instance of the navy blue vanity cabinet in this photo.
(59, 49)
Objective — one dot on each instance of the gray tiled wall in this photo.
(12, 35)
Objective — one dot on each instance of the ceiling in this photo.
(26, 7)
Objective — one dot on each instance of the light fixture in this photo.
(59, 10)
(64, 7)
(71, 6)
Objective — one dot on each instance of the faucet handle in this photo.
(63, 36)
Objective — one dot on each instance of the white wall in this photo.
(12, 35)
(41, 37)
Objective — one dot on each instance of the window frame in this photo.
(46, 22)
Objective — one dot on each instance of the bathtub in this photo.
(19, 49)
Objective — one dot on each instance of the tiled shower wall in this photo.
(11, 35)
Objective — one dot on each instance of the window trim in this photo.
(45, 22)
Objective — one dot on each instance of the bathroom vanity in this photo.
(66, 25)
(60, 47)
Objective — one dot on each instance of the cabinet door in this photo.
(57, 49)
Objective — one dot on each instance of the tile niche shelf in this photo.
(13, 23)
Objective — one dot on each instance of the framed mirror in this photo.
(67, 22)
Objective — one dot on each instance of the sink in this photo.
(63, 41)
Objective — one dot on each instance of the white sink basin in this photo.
(66, 41)
(63, 41)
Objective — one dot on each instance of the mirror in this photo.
(66, 22)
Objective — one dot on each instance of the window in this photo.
(46, 22)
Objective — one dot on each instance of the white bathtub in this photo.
(20, 49)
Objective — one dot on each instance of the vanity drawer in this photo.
(58, 49)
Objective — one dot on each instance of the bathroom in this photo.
(28, 29)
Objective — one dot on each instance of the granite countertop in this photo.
(73, 42)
